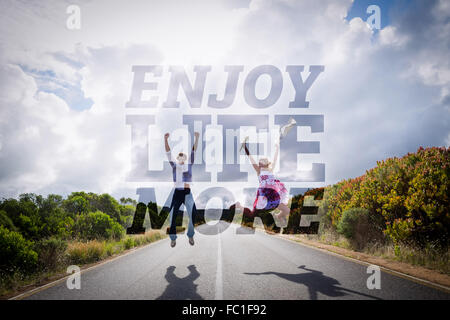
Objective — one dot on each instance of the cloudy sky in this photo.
(63, 92)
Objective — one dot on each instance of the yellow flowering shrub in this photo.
(408, 194)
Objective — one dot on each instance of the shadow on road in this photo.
(316, 282)
(181, 288)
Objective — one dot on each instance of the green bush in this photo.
(82, 202)
(24, 214)
(6, 222)
(109, 249)
(359, 227)
(407, 197)
(16, 253)
(351, 221)
(97, 225)
(76, 204)
(58, 225)
(51, 253)
(129, 243)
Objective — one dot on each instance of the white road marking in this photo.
(219, 283)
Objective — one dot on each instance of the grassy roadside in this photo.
(81, 253)
(427, 257)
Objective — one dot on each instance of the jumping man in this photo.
(182, 176)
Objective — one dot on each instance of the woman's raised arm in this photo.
(255, 166)
(275, 156)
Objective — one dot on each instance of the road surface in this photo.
(238, 267)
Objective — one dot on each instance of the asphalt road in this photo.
(235, 266)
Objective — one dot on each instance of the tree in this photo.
(6, 221)
(16, 253)
(97, 225)
(76, 205)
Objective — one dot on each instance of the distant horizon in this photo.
(135, 196)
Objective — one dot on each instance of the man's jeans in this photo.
(182, 196)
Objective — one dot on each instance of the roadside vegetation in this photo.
(41, 236)
(398, 210)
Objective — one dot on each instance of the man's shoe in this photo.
(191, 241)
(173, 243)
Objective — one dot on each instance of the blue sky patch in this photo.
(70, 92)
(359, 9)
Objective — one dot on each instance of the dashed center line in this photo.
(219, 281)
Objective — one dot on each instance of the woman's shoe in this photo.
(284, 130)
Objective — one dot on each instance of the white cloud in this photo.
(381, 95)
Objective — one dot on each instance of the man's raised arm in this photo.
(194, 147)
(166, 142)
(168, 153)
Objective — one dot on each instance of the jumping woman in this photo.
(272, 194)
